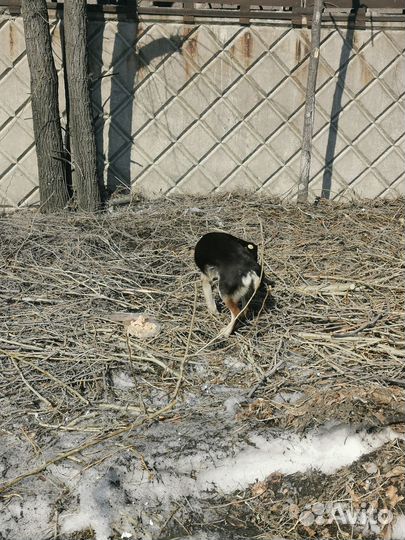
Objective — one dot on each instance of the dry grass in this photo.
(333, 331)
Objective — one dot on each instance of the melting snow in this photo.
(183, 461)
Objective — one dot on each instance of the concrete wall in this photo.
(218, 107)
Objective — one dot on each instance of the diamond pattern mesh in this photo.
(205, 108)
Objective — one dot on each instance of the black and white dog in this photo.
(234, 263)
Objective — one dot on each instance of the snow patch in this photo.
(232, 405)
(122, 492)
(326, 451)
(95, 507)
(122, 380)
(398, 529)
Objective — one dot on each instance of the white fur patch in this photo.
(251, 278)
(247, 280)
(256, 281)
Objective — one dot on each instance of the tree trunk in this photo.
(45, 108)
(310, 103)
(85, 181)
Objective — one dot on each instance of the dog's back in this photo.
(223, 251)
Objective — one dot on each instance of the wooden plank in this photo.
(289, 10)
(188, 6)
(131, 7)
(370, 4)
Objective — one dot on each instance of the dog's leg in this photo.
(208, 294)
(234, 309)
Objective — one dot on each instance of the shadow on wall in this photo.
(337, 101)
(123, 94)
(65, 130)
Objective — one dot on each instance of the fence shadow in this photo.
(337, 100)
(117, 158)
(123, 78)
